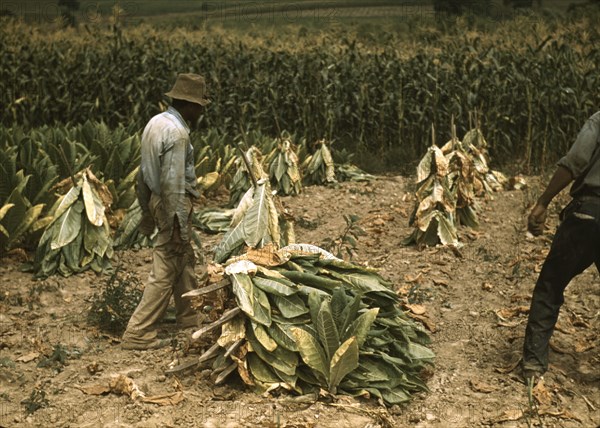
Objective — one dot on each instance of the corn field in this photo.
(529, 84)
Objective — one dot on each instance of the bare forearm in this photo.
(561, 178)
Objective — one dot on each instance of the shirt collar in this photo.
(175, 113)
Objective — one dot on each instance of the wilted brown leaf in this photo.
(438, 281)
(481, 387)
(557, 348)
(97, 389)
(505, 313)
(28, 357)
(583, 346)
(170, 399)
(414, 278)
(416, 309)
(427, 322)
(120, 384)
(510, 415)
(541, 394)
(564, 414)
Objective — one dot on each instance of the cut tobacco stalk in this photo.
(305, 321)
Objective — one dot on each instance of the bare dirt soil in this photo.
(473, 300)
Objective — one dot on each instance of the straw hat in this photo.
(189, 87)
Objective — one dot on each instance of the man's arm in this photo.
(537, 218)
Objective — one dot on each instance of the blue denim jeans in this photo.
(575, 247)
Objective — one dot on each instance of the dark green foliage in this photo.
(37, 400)
(345, 244)
(531, 93)
(114, 303)
(58, 359)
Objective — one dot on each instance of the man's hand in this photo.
(147, 225)
(537, 220)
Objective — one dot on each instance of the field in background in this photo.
(245, 12)
(373, 76)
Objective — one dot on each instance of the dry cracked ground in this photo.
(473, 300)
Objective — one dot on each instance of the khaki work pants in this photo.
(172, 275)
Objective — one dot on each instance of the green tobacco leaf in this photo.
(446, 231)
(261, 307)
(424, 167)
(94, 208)
(4, 209)
(261, 370)
(290, 306)
(31, 215)
(282, 334)
(68, 226)
(243, 289)
(311, 351)
(256, 221)
(312, 280)
(67, 201)
(361, 326)
(231, 242)
(419, 352)
(274, 286)
(263, 337)
(363, 283)
(327, 330)
(280, 359)
(314, 306)
(97, 239)
(338, 303)
(127, 231)
(394, 396)
(343, 361)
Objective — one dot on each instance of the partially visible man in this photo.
(576, 244)
(165, 188)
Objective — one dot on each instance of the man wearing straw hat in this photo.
(165, 188)
(575, 244)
